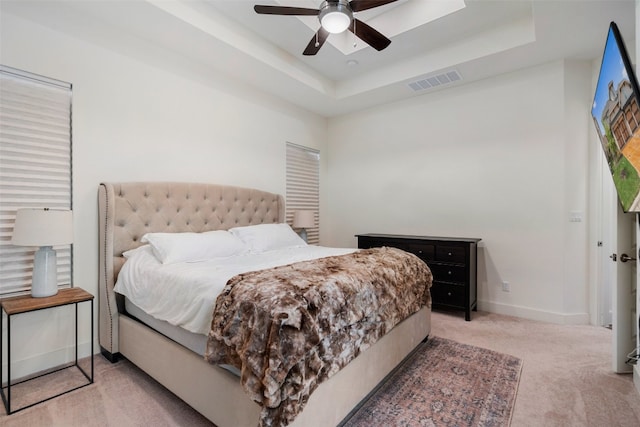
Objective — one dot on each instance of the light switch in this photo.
(575, 216)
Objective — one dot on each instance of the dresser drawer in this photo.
(448, 273)
(374, 243)
(450, 254)
(447, 294)
(416, 249)
(425, 252)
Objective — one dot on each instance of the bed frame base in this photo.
(209, 389)
(380, 384)
(213, 391)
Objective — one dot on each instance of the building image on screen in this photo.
(616, 114)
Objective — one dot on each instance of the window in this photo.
(35, 166)
(303, 186)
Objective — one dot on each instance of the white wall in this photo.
(503, 159)
(133, 120)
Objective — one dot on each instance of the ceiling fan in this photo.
(335, 16)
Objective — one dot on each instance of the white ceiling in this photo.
(477, 38)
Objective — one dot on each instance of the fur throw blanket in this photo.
(291, 327)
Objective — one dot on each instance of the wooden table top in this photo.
(26, 303)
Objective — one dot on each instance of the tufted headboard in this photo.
(129, 210)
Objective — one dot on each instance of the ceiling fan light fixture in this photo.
(335, 17)
(335, 22)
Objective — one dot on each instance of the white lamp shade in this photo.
(335, 22)
(303, 219)
(42, 227)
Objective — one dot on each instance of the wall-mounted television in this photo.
(616, 114)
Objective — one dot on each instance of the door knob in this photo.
(625, 258)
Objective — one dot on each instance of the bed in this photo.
(127, 211)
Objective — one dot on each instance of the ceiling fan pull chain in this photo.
(355, 39)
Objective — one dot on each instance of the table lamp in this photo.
(45, 228)
(303, 220)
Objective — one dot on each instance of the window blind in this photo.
(303, 186)
(35, 166)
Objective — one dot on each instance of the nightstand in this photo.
(26, 304)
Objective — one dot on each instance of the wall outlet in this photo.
(506, 287)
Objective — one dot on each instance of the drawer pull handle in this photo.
(449, 293)
(420, 252)
(449, 273)
(449, 254)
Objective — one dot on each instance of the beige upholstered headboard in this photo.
(129, 210)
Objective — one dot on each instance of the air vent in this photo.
(435, 81)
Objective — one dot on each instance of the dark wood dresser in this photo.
(452, 260)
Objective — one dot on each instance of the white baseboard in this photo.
(534, 314)
(636, 377)
(29, 366)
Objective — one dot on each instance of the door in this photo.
(616, 279)
(608, 219)
(624, 292)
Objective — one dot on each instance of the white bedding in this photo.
(184, 294)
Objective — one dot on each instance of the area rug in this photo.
(444, 383)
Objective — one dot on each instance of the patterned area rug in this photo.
(445, 383)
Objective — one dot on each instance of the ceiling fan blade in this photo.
(369, 35)
(360, 5)
(284, 10)
(316, 42)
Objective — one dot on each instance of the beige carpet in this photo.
(566, 380)
(121, 396)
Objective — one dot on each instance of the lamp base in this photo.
(45, 273)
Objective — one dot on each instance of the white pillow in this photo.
(193, 247)
(133, 252)
(266, 237)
